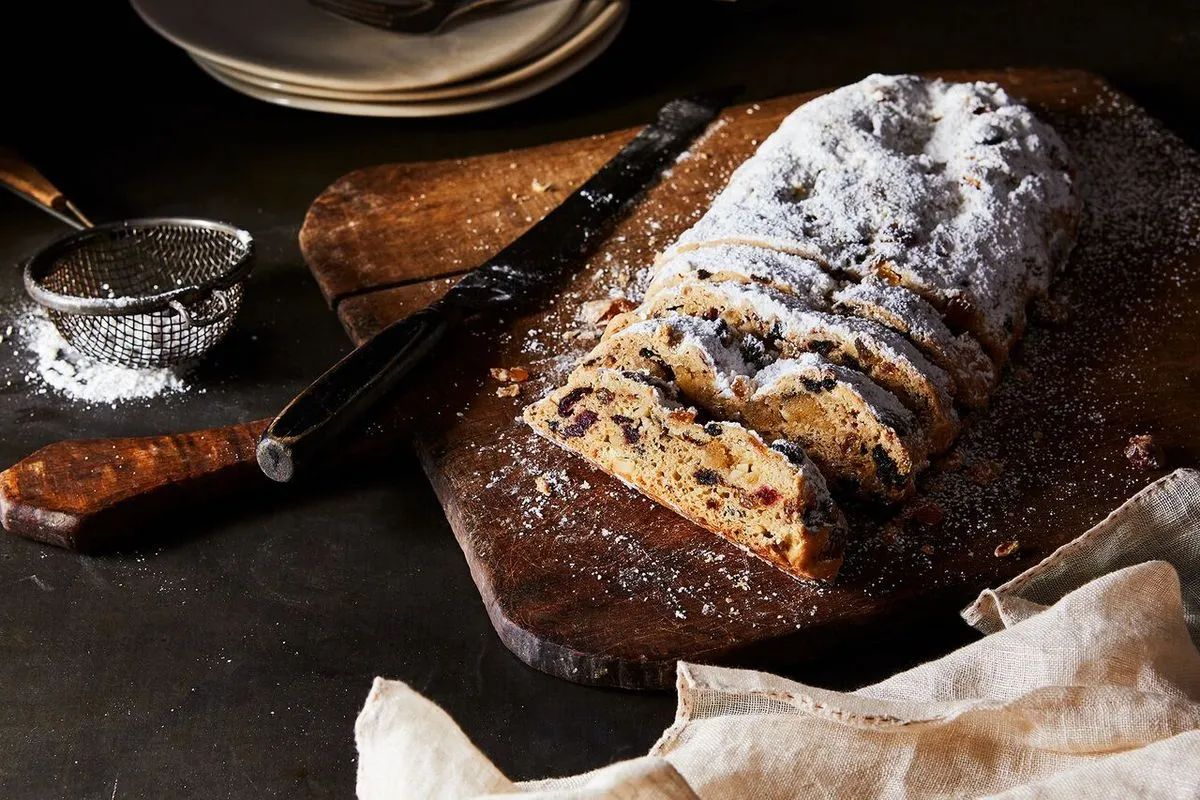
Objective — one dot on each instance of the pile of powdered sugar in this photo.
(43, 360)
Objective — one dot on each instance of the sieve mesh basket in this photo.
(143, 293)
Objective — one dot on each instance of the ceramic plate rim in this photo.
(434, 108)
(293, 76)
(592, 29)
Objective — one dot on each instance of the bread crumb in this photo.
(543, 485)
(927, 549)
(598, 312)
(1144, 453)
(1050, 312)
(508, 390)
(506, 374)
(1006, 549)
(985, 472)
(891, 533)
(541, 188)
(925, 512)
(951, 462)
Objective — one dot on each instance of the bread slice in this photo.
(769, 500)
(971, 372)
(788, 329)
(855, 431)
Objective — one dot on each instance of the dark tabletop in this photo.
(229, 657)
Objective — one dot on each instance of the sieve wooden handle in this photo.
(99, 494)
(22, 178)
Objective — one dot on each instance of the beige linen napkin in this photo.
(1087, 686)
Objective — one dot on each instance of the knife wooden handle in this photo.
(311, 428)
(97, 494)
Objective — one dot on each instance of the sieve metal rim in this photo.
(38, 266)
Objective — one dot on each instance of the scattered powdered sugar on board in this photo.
(47, 363)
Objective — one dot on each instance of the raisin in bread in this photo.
(858, 433)
(771, 501)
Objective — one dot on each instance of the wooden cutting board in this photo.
(585, 579)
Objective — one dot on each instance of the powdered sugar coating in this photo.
(796, 275)
(952, 188)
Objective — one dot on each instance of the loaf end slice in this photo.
(769, 500)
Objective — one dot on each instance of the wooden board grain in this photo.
(591, 582)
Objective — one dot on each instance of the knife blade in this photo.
(515, 279)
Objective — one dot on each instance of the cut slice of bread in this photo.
(771, 501)
(856, 431)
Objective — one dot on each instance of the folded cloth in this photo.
(1087, 686)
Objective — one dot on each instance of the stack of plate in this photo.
(292, 53)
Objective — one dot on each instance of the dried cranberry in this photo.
(766, 495)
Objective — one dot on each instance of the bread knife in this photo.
(516, 279)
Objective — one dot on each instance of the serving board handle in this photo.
(98, 494)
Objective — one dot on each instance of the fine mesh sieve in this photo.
(143, 293)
